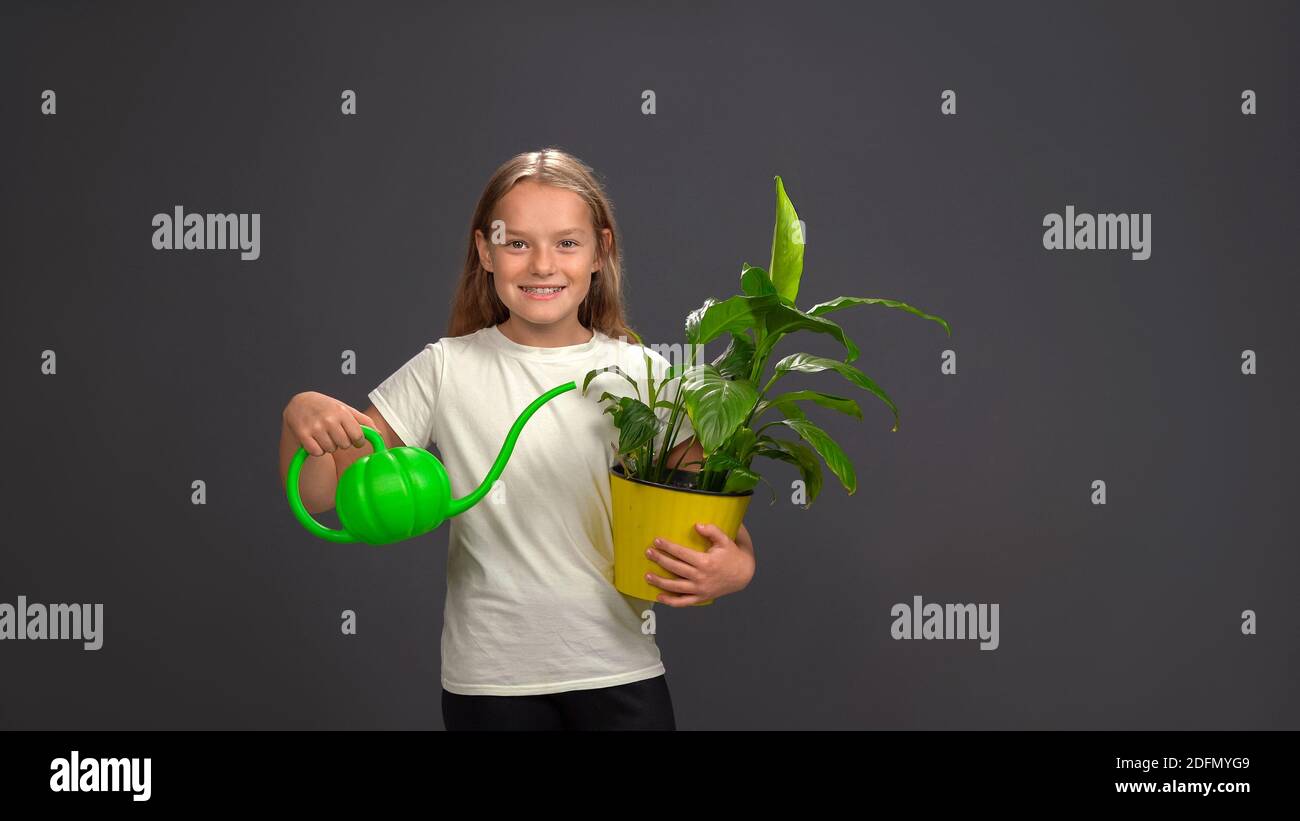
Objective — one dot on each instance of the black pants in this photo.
(640, 705)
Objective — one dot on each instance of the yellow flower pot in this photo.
(644, 511)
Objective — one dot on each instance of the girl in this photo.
(535, 635)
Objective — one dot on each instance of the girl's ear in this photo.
(484, 253)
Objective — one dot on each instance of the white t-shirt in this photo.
(531, 604)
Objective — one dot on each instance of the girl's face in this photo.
(547, 252)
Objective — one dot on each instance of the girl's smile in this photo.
(542, 294)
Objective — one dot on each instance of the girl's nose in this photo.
(543, 262)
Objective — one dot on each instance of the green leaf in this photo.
(755, 281)
(791, 410)
(737, 314)
(762, 314)
(813, 477)
(740, 480)
(807, 363)
(736, 361)
(741, 443)
(716, 405)
(799, 455)
(826, 400)
(786, 266)
(713, 319)
(772, 489)
(738, 476)
(829, 450)
(715, 469)
(636, 423)
(840, 302)
(781, 319)
(613, 369)
(720, 460)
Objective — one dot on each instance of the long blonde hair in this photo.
(476, 304)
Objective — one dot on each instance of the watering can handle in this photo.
(295, 500)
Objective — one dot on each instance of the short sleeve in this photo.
(661, 366)
(408, 399)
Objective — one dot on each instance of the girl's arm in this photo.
(688, 450)
(743, 540)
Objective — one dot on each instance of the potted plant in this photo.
(730, 412)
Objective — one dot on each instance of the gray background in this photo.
(1072, 366)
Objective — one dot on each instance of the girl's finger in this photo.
(675, 585)
(679, 601)
(679, 552)
(339, 436)
(312, 446)
(352, 430)
(672, 564)
(323, 441)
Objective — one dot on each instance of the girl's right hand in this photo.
(323, 424)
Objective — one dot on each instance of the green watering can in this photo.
(399, 493)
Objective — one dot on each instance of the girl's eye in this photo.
(512, 244)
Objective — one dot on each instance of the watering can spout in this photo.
(464, 503)
(399, 493)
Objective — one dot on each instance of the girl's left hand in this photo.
(724, 568)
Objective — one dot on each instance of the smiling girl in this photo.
(535, 635)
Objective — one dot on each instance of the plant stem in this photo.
(761, 393)
(674, 421)
(674, 425)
